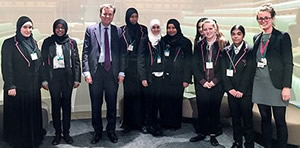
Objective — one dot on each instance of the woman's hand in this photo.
(232, 92)
(145, 83)
(12, 92)
(184, 84)
(286, 94)
(206, 85)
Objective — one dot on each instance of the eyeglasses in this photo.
(263, 18)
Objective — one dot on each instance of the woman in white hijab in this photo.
(151, 61)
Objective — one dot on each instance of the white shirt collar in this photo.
(237, 49)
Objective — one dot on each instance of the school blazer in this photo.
(241, 79)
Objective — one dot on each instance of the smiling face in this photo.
(60, 30)
(209, 30)
(265, 20)
(237, 37)
(172, 31)
(26, 29)
(155, 29)
(107, 15)
(134, 18)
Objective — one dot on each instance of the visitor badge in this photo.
(264, 60)
(167, 53)
(209, 65)
(130, 48)
(158, 59)
(229, 73)
(34, 56)
(260, 64)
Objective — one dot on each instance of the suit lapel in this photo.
(272, 39)
(97, 34)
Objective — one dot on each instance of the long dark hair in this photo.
(197, 28)
(239, 27)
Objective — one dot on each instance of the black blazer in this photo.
(49, 52)
(199, 63)
(241, 80)
(279, 57)
(125, 41)
(91, 50)
(146, 58)
(178, 64)
(18, 70)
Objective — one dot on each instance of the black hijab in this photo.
(133, 29)
(27, 42)
(60, 39)
(177, 38)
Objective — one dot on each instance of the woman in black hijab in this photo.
(61, 74)
(178, 56)
(133, 117)
(21, 63)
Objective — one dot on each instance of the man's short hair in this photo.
(110, 6)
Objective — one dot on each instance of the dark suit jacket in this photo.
(49, 52)
(91, 50)
(279, 57)
(241, 79)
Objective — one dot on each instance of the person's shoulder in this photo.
(10, 39)
(186, 40)
(143, 26)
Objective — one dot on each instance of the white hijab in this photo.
(154, 39)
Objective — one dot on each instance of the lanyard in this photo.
(232, 60)
(263, 49)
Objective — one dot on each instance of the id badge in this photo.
(130, 48)
(209, 65)
(264, 60)
(158, 60)
(260, 64)
(229, 73)
(167, 53)
(34, 56)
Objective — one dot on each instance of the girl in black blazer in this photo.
(21, 63)
(273, 66)
(236, 78)
(151, 65)
(61, 74)
(133, 32)
(178, 58)
(208, 77)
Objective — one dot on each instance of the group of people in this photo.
(154, 70)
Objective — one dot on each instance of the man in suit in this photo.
(102, 66)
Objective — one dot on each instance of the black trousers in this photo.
(152, 99)
(103, 81)
(171, 104)
(241, 112)
(266, 125)
(61, 93)
(208, 104)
